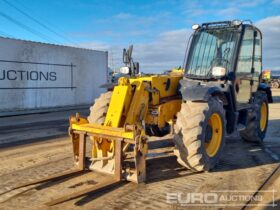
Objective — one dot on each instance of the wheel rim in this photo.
(263, 119)
(215, 129)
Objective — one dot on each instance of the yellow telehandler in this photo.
(217, 93)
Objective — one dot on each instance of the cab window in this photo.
(245, 58)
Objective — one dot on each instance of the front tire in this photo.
(200, 134)
(257, 119)
(99, 109)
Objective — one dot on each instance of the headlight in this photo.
(124, 70)
(218, 71)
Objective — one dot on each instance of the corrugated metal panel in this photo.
(35, 75)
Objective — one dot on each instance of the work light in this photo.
(236, 22)
(195, 26)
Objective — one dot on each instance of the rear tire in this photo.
(257, 119)
(195, 132)
(275, 85)
(99, 109)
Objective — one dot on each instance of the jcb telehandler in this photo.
(217, 93)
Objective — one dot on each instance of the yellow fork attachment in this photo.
(80, 129)
(122, 131)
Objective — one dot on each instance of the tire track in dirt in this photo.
(33, 157)
(164, 175)
(243, 166)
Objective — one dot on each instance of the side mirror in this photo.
(127, 53)
(136, 67)
(125, 58)
(131, 68)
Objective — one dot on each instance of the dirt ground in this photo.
(243, 169)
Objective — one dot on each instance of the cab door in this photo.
(248, 66)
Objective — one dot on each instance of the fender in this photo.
(266, 88)
(194, 90)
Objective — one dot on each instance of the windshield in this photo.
(211, 48)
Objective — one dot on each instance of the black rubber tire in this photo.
(190, 134)
(99, 109)
(275, 85)
(252, 132)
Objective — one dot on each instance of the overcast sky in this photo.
(158, 29)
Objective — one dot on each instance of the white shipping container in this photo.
(36, 76)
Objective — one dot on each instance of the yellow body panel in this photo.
(179, 72)
(139, 104)
(149, 98)
(167, 111)
(164, 113)
(119, 100)
(161, 88)
(159, 82)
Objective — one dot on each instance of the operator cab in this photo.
(228, 51)
(213, 47)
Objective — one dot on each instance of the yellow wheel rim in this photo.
(216, 131)
(263, 119)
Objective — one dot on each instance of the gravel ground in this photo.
(243, 167)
